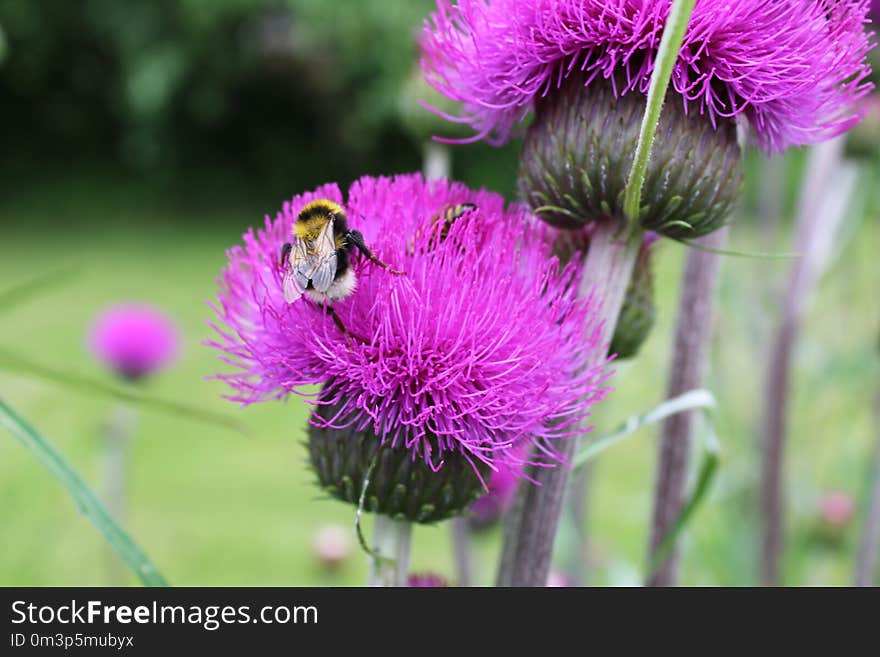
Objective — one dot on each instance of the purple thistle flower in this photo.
(426, 580)
(134, 340)
(480, 348)
(793, 69)
(488, 508)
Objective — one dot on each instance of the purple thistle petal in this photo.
(480, 347)
(793, 69)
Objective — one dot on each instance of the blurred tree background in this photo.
(267, 96)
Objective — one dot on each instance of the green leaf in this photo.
(698, 399)
(667, 55)
(708, 469)
(85, 500)
(740, 254)
(11, 362)
(689, 401)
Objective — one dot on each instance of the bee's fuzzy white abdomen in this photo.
(341, 288)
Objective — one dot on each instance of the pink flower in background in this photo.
(836, 509)
(493, 505)
(793, 69)
(426, 580)
(559, 579)
(134, 340)
(332, 545)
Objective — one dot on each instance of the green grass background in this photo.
(212, 507)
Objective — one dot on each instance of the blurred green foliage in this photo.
(291, 89)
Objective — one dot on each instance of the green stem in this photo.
(86, 501)
(436, 161)
(667, 55)
(462, 550)
(118, 433)
(690, 361)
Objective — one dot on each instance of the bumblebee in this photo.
(318, 261)
(442, 223)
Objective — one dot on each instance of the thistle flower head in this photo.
(480, 348)
(134, 340)
(792, 69)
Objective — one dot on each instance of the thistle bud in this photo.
(579, 150)
(400, 486)
(638, 311)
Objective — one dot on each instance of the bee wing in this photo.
(313, 260)
(292, 284)
(323, 260)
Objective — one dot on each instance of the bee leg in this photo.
(285, 254)
(336, 320)
(356, 238)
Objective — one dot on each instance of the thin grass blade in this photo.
(86, 501)
(26, 290)
(15, 364)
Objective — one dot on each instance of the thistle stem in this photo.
(531, 525)
(117, 447)
(869, 545)
(436, 160)
(825, 193)
(693, 334)
(579, 508)
(462, 549)
(391, 542)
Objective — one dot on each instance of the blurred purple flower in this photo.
(793, 69)
(134, 340)
(426, 580)
(477, 350)
(488, 508)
